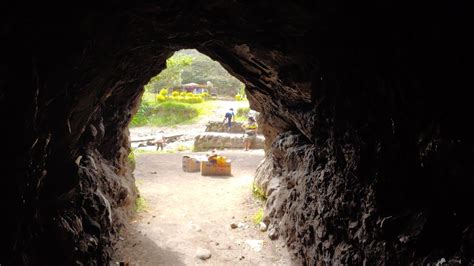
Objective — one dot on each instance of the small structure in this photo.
(194, 88)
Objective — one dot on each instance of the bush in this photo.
(243, 112)
(175, 94)
(160, 98)
(140, 204)
(238, 97)
(164, 92)
(182, 94)
(258, 216)
(195, 99)
(258, 192)
(141, 117)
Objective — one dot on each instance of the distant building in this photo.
(192, 87)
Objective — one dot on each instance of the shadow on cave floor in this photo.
(186, 212)
(141, 250)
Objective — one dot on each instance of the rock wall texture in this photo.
(208, 141)
(237, 127)
(216, 126)
(365, 110)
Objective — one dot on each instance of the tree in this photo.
(187, 66)
(171, 75)
(204, 69)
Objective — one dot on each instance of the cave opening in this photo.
(195, 145)
(367, 108)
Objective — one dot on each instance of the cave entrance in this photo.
(189, 97)
(183, 210)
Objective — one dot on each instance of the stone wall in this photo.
(237, 127)
(216, 126)
(209, 141)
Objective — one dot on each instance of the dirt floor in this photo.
(186, 212)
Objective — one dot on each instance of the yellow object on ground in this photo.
(218, 168)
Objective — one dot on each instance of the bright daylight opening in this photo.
(196, 146)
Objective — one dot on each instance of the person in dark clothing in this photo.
(229, 116)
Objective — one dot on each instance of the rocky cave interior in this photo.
(365, 110)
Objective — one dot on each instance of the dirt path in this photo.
(187, 211)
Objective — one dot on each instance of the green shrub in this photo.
(183, 93)
(243, 111)
(141, 117)
(175, 94)
(164, 92)
(238, 97)
(258, 216)
(258, 192)
(160, 98)
(198, 99)
(140, 204)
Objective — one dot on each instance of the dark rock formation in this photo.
(366, 111)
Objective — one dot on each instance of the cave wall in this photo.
(364, 109)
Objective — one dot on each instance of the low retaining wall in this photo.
(218, 126)
(221, 141)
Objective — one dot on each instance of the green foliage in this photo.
(242, 90)
(171, 75)
(186, 66)
(140, 204)
(182, 147)
(140, 117)
(164, 92)
(242, 113)
(131, 160)
(172, 111)
(160, 98)
(175, 94)
(258, 216)
(204, 69)
(258, 192)
(164, 114)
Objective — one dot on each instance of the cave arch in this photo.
(365, 135)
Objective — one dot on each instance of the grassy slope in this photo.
(152, 113)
